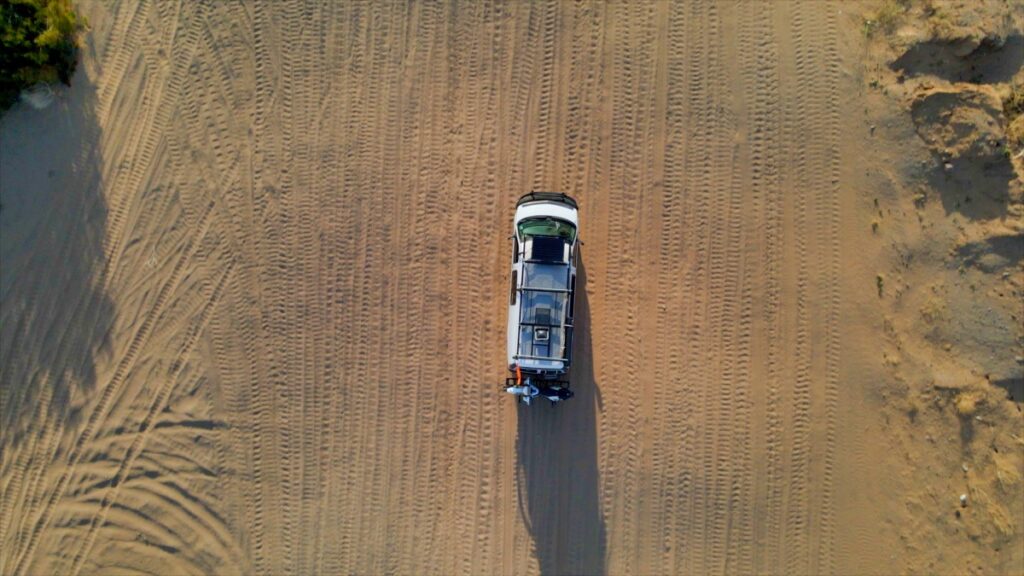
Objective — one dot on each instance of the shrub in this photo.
(1013, 110)
(886, 18)
(37, 44)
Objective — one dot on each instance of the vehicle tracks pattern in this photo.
(306, 249)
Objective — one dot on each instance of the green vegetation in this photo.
(886, 18)
(1013, 105)
(37, 44)
(940, 22)
(1013, 110)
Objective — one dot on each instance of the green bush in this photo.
(37, 44)
(886, 18)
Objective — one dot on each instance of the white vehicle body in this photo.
(543, 283)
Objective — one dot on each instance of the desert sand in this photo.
(254, 272)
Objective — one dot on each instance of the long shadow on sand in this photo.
(557, 452)
(54, 316)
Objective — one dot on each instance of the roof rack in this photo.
(561, 324)
(547, 197)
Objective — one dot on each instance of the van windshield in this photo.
(547, 227)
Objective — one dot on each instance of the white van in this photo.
(545, 245)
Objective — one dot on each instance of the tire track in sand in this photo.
(286, 297)
(479, 415)
(542, 171)
(20, 495)
(761, 80)
(821, 50)
(465, 425)
(726, 352)
(266, 469)
(210, 98)
(340, 552)
(704, 160)
(744, 212)
(398, 395)
(629, 88)
(117, 55)
(672, 388)
(110, 391)
(420, 470)
(653, 99)
(815, 222)
(141, 149)
(325, 403)
(374, 246)
(157, 406)
(309, 96)
(238, 340)
(695, 230)
(345, 303)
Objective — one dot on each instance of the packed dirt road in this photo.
(254, 294)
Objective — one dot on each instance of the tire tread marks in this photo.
(324, 288)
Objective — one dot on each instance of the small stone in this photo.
(964, 467)
(948, 166)
(963, 500)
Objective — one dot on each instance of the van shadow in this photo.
(557, 455)
(54, 315)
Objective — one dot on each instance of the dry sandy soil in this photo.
(252, 301)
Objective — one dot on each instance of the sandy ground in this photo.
(252, 300)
